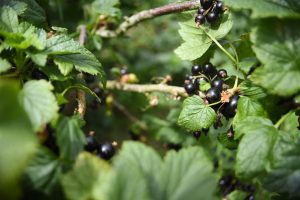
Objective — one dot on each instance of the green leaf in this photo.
(254, 151)
(196, 40)
(17, 141)
(66, 52)
(34, 13)
(276, 44)
(4, 65)
(70, 138)
(188, 175)
(9, 19)
(237, 195)
(89, 179)
(227, 142)
(143, 173)
(267, 8)
(44, 171)
(247, 107)
(106, 7)
(39, 103)
(18, 6)
(284, 177)
(247, 88)
(195, 115)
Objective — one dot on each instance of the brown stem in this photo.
(80, 94)
(148, 14)
(173, 90)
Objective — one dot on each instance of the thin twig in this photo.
(130, 116)
(148, 14)
(146, 88)
(80, 94)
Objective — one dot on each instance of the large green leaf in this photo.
(254, 151)
(43, 172)
(268, 8)
(89, 179)
(196, 115)
(17, 141)
(284, 177)
(276, 44)
(196, 40)
(34, 13)
(70, 137)
(187, 175)
(142, 165)
(39, 103)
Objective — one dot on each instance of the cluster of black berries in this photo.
(210, 11)
(229, 183)
(105, 150)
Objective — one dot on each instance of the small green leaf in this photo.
(237, 195)
(247, 88)
(195, 115)
(70, 138)
(196, 42)
(64, 68)
(39, 103)
(106, 7)
(227, 142)
(276, 45)
(4, 65)
(89, 179)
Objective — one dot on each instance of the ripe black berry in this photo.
(206, 3)
(213, 95)
(211, 17)
(219, 7)
(200, 19)
(190, 88)
(230, 108)
(90, 78)
(217, 83)
(251, 197)
(222, 73)
(201, 11)
(174, 146)
(38, 75)
(209, 70)
(124, 71)
(197, 134)
(188, 77)
(196, 69)
(92, 143)
(106, 151)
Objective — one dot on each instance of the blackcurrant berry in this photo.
(213, 95)
(38, 75)
(217, 83)
(188, 77)
(106, 151)
(197, 134)
(206, 3)
(219, 7)
(211, 17)
(124, 71)
(230, 108)
(209, 70)
(91, 144)
(251, 197)
(196, 69)
(190, 88)
(90, 78)
(200, 19)
(222, 73)
(201, 11)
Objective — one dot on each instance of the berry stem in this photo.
(216, 103)
(282, 119)
(220, 46)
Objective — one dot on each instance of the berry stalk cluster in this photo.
(210, 11)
